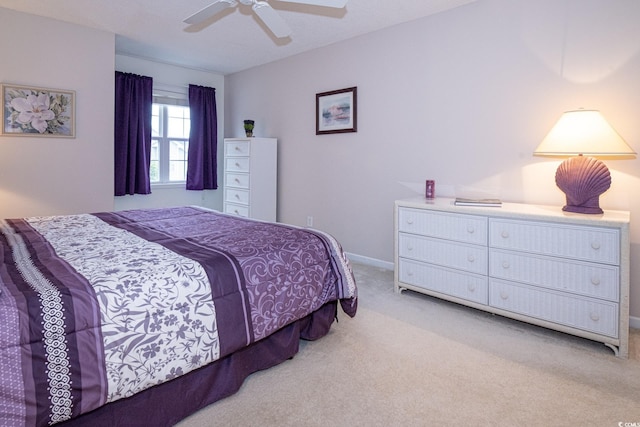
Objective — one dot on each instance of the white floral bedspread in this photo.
(165, 330)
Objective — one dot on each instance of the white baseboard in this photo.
(634, 322)
(370, 261)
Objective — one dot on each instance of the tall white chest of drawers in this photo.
(537, 264)
(250, 177)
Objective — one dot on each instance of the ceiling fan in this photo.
(263, 10)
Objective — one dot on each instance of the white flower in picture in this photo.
(35, 111)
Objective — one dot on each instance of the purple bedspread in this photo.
(95, 308)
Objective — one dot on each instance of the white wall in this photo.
(174, 81)
(47, 176)
(39, 175)
(463, 97)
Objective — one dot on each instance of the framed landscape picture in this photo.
(337, 111)
(34, 111)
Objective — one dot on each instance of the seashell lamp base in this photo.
(583, 180)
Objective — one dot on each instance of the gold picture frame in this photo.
(35, 111)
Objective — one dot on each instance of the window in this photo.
(170, 125)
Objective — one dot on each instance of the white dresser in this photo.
(537, 264)
(250, 177)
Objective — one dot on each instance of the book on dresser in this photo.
(460, 201)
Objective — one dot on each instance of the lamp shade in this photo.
(583, 132)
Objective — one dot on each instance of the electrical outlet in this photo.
(309, 221)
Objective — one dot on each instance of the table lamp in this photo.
(583, 133)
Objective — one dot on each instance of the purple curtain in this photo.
(203, 139)
(132, 133)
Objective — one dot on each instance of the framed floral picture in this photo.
(35, 111)
(337, 111)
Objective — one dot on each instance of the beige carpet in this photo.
(411, 360)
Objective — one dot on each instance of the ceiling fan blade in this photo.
(326, 3)
(271, 19)
(209, 11)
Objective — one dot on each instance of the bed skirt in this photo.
(168, 403)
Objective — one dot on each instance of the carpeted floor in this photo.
(412, 360)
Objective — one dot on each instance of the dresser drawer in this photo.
(238, 210)
(456, 283)
(237, 180)
(236, 148)
(462, 228)
(569, 310)
(235, 195)
(590, 279)
(555, 239)
(444, 252)
(237, 164)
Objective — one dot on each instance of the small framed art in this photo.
(337, 111)
(35, 111)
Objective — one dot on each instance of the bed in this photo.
(142, 317)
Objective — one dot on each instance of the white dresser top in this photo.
(521, 211)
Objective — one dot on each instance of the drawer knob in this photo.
(237, 148)
(505, 234)
(237, 164)
(237, 180)
(471, 258)
(471, 229)
(594, 316)
(505, 265)
(410, 273)
(409, 221)
(238, 196)
(595, 281)
(504, 295)
(595, 245)
(409, 248)
(471, 287)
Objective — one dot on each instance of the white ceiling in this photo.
(234, 40)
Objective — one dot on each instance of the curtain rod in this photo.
(166, 87)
